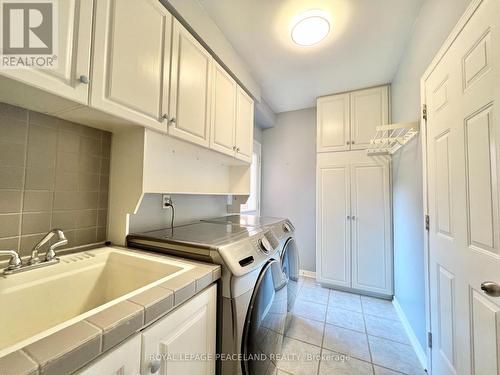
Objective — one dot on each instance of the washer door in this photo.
(290, 265)
(265, 322)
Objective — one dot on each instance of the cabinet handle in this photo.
(352, 142)
(234, 148)
(353, 217)
(237, 149)
(172, 120)
(154, 366)
(164, 117)
(348, 218)
(84, 79)
(348, 143)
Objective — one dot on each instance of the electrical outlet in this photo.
(166, 201)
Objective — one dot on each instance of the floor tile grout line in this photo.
(391, 340)
(366, 333)
(390, 369)
(323, 338)
(364, 316)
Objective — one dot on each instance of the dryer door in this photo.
(265, 322)
(290, 265)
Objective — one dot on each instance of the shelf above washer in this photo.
(390, 138)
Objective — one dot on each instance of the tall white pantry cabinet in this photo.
(353, 194)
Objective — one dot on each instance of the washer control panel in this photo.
(264, 245)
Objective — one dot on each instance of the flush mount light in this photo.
(310, 27)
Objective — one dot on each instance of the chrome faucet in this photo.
(16, 265)
(15, 261)
(50, 253)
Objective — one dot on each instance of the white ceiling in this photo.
(363, 48)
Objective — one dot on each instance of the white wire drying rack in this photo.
(390, 138)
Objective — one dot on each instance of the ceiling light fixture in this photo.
(310, 27)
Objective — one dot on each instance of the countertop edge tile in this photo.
(74, 359)
(118, 322)
(156, 302)
(68, 341)
(203, 281)
(18, 363)
(216, 273)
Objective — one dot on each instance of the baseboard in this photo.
(310, 274)
(421, 353)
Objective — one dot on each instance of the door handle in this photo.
(491, 288)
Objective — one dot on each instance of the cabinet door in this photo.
(132, 60)
(333, 123)
(74, 34)
(244, 126)
(333, 226)
(369, 109)
(223, 111)
(371, 227)
(189, 330)
(191, 88)
(124, 360)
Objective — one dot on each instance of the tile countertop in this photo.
(69, 349)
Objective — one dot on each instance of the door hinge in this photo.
(429, 340)
(427, 222)
(424, 112)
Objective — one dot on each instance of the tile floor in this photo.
(366, 330)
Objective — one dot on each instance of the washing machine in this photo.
(252, 292)
(283, 231)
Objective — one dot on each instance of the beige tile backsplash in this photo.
(53, 174)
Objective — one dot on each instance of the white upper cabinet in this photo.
(348, 121)
(244, 126)
(73, 56)
(191, 88)
(333, 131)
(223, 111)
(132, 60)
(369, 109)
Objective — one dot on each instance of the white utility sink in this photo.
(38, 302)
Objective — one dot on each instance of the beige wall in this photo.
(53, 173)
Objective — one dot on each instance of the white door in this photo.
(462, 93)
(191, 88)
(73, 56)
(123, 360)
(369, 109)
(187, 332)
(244, 126)
(333, 128)
(132, 60)
(223, 111)
(371, 227)
(333, 237)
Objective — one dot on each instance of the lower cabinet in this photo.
(183, 342)
(353, 244)
(123, 360)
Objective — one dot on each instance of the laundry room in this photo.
(250, 187)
